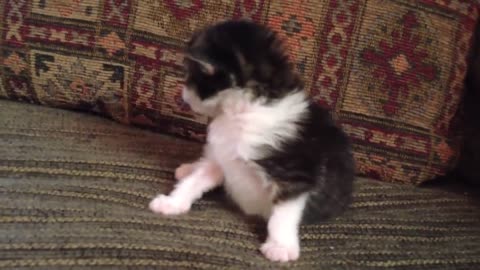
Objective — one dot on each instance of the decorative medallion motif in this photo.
(400, 63)
(182, 9)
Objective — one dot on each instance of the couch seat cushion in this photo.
(75, 189)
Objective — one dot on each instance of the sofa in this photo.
(78, 167)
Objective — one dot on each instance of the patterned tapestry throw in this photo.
(391, 71)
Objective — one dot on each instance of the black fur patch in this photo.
(241, 52)
(319, 161)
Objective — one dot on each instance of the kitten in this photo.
(277, 154)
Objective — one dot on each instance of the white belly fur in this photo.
(248, 189)
(236, 136)
(245, 184)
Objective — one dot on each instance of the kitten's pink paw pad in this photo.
(183, 171)
(167, 205)
(280, 252)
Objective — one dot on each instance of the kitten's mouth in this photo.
(193, 107)
(208, 107)
(185, 106)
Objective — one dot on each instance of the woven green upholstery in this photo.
(75, 188)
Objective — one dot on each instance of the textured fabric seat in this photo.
(75, 189)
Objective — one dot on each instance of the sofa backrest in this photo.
(392, 72)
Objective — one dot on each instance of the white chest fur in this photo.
(234, 140)
(245, 184)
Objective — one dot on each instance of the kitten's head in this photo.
(235, 56)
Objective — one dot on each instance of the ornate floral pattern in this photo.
(293, 24)
(182, 9)
(391, 71)
(112, 43)
(298, 24)
(251, 9)
(79, 83)
(16, 63)
(72, 9)
(399, 63)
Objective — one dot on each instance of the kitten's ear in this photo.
(206, 67)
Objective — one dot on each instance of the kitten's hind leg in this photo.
(205, 176)
(184, 170)
(283, 242)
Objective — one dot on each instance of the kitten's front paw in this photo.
(278, 252)
(183, 171)
(166, 205)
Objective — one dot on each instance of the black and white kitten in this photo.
(276, 154)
